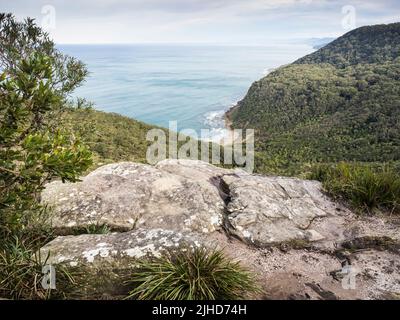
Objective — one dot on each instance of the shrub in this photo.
(365, 187)
(196, 274)
(35, 82)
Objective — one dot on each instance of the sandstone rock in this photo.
(106, 261)
(317, 274)
(377, 272)
(187, 195)
(128, 195)
(267, 210)
(309, 233)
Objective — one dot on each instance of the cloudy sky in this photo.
(201, 21)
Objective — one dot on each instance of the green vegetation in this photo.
(367, 189)
(35, 81)
(341, 103)
(21, 271)
(369, 44)
(115, 138)
(197, 274)
(93, 229)
(111, 137)
(43, 136)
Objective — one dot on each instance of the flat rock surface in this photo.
(304, 274)
(125, 196)
(187, 195)
(264, 210)
(115, 247)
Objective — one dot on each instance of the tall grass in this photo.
(21, 265)
(21, 273)
(366, 188)
(197, 274)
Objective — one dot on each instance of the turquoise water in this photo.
(192, 85)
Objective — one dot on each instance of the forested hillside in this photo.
(370, 44)
(341, 103)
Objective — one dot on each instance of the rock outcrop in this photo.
(193, 196)
(286, 230)
(265, 210)
(126, 196)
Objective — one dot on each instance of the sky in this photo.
(244, 22)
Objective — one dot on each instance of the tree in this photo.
(35, 83)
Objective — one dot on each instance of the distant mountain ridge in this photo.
(370, 44)
(341, 103)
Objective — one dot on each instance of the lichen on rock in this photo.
(126, 196)
(186, 195)
(106, 261)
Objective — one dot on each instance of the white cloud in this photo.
(252, 21)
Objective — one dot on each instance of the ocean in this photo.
(191, 84)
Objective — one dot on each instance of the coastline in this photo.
(230, 138)
(227, 116)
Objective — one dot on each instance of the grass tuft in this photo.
(93, 229)
(197, 274)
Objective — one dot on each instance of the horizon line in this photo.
(292, 41)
